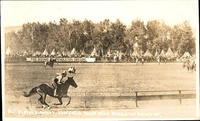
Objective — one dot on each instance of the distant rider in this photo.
(58, 80)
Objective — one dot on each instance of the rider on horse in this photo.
(60, 76)
(58, 80)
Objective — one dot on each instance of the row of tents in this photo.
(53, 53)
(168, 54)
(66, 53)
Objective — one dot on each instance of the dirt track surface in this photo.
(100, 78)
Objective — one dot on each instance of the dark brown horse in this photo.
(44, 89)
(50, 63)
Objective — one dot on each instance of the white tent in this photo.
(162, 53)
(37, 53)
(176, 54)
(120, 55)
(73, 52)
(94, 52)
(109, 53)
(25, 53)
(59, 54)
(33, 54)
(68, 53)
(45, 53)
(186, 55)
(169, 53)
(64, 53)
(8, 51)
(135, 53)
(156, 54)
(83, 53)
(53, 53)
(135, 45)
(148, 54)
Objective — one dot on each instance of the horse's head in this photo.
(71, 81)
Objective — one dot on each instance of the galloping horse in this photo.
(44, 89)
(50, 63)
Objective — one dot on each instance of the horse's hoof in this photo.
(44, 106)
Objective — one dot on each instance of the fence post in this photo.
(136, 94)
(85, 100)
(180, 97)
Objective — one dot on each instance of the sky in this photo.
(16, 13)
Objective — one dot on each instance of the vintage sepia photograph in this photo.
(136, 59)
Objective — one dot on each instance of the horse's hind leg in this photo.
(60, 101)
(44, 98)
(41, 101)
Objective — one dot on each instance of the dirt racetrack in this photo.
(109, 80)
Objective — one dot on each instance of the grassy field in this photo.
(94, 77)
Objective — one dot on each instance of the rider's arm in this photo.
(59, 79)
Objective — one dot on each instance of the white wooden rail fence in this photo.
(138, 95)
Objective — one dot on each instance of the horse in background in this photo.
(189, 64)
(50, 62)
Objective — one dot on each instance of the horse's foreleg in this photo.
(69, 99)
(60, 101)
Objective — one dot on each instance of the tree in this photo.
(53, 39)
(87, 36)
(64, 32)
(102, 36)
(137, 33)
(13, 41)
(117, 33)
(105, 35)
(187, 43)
(158, 36)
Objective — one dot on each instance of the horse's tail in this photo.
(33, 91)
